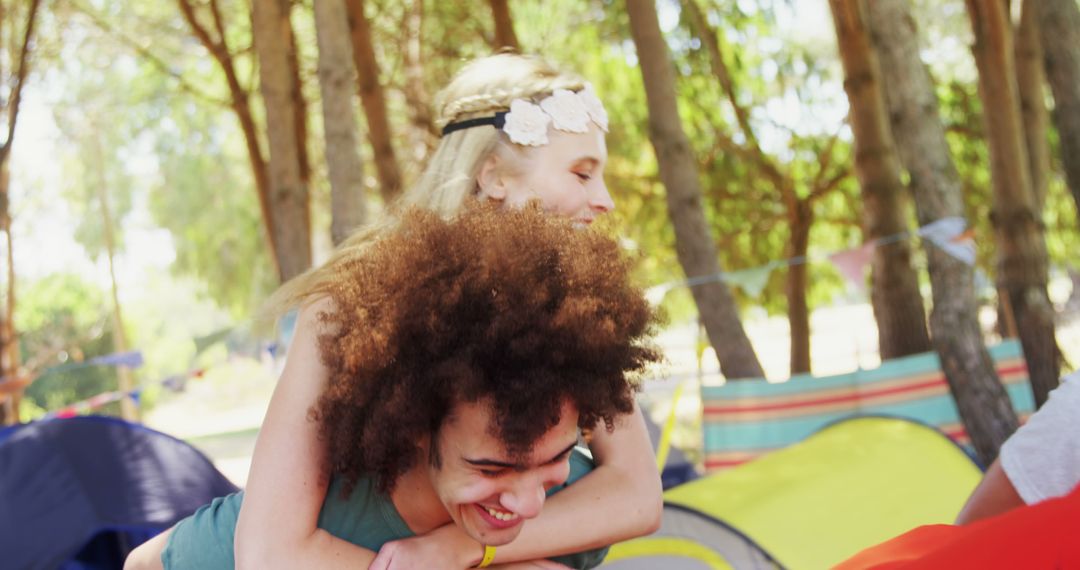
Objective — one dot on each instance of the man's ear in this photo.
(428, 447)
(491, 179)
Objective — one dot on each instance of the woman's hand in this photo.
(445, 547)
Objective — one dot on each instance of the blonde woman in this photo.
(515, 130)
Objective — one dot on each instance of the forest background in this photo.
(168, 164)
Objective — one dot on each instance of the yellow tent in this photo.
(851, 485)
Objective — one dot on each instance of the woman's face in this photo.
(566, 176)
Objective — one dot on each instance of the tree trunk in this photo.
(423, 136)
(798, 310)
(1021, 246)
(1059, 30)
(240, 102)
(336, 80)
(678, 171)
(1034, 116)
(982, 402)
(10, 359)
(9, 339)
(272, 32)
(374, 102)
(125, 382)
(300, 110)
(504, 26)
(897, 302)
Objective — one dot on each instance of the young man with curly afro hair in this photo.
(466, 356)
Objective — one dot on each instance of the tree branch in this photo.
(821, 185)
(146, 54)
(20, 78)
(219, 25)
(824, 159)
(719, 69)
(200, 31)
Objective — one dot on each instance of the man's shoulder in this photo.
(581, 464)
(364, 516)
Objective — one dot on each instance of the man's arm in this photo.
(994, 495)
(1041, 460)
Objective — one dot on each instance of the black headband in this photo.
(497, 121)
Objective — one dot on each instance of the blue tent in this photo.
(83, 492)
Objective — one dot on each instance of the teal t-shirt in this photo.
(366, 518)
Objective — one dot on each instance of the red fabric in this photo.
(1044, 535)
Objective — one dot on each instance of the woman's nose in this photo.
(600, 199)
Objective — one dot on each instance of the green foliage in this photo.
(779, 78)
(62, 321)
(95, 165)
(150, 123)
(205, 197)
(29, 411)
(145, 110)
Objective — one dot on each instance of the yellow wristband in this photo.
(489, 557)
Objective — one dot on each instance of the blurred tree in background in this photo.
(218, 130)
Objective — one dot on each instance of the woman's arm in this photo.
(621, 499)
(278, 522)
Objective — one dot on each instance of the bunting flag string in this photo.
(129, 359)
(134, 359)
(752, 281)
(950, 234)
(174, 383)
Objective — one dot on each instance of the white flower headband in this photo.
(527, 123)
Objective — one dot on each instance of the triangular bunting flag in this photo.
(655, 294)
(949, 234)
(851, 263)
(752, 281)
(131, 359)
(983, 283)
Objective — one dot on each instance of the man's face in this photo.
(487, 492)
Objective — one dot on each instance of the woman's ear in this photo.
(491, 180)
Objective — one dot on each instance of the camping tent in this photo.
(742, 420)
(853, 484)
(677, 467)
(82, 492)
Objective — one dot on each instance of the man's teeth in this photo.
(501, 515)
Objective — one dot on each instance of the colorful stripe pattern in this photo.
(746, 418)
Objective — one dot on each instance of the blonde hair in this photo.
(481, 88)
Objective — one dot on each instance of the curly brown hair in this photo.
(515, 307)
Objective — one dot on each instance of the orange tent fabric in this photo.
(1044, 535)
